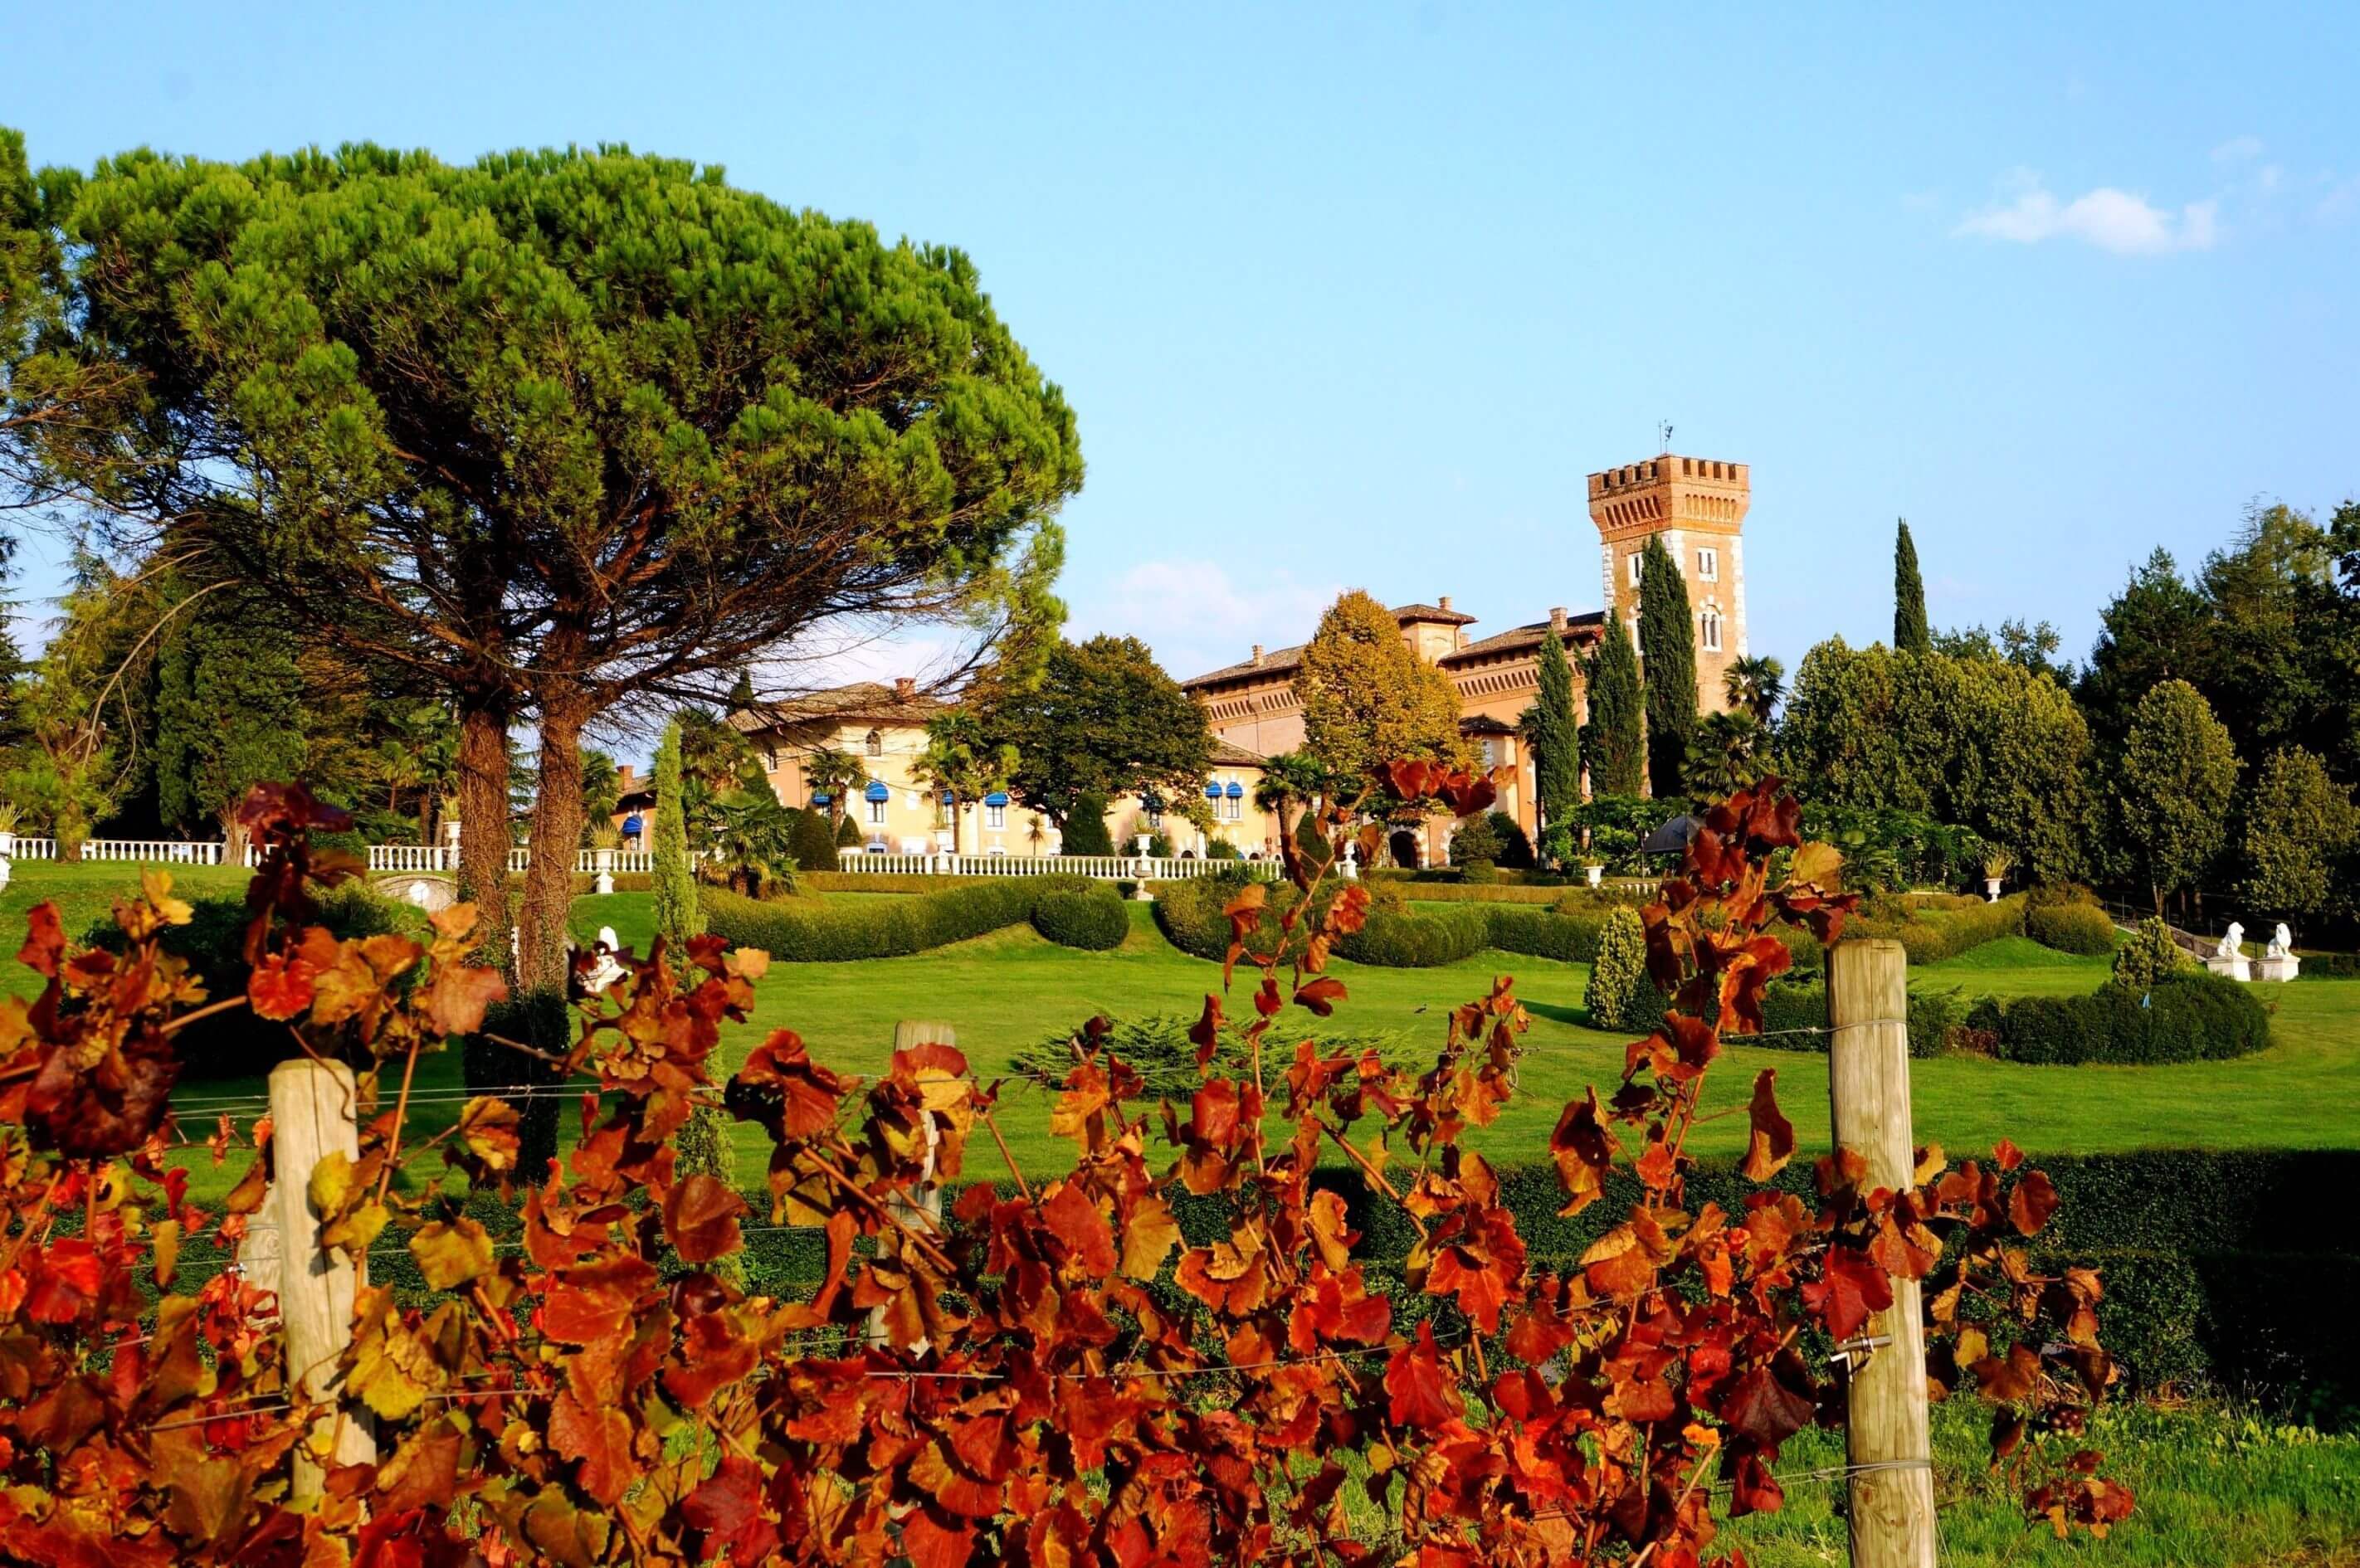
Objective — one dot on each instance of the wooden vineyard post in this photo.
(922, 1210)
(311, 1116)
(1886, 1441)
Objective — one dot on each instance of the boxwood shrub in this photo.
(1093, 920)
(2083, 929)
(1420, 940)
(1930, 935)
(801, 931)
(2191, 1017)
(1790, 1007)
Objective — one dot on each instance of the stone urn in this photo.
(1991, 890)
(1595, 873)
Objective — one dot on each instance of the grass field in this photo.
(2214, 1486)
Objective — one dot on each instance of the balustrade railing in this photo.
(1099, 868)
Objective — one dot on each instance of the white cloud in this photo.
(2238, 149)
(1196, 618)
(2110, 219)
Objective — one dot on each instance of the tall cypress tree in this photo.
(1555, 736)
(1613, 736)
(1910, 633)
(677, 916)
(1667, 645)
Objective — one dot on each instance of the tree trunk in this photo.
(233, 836)
(556, 833)
(482, 793)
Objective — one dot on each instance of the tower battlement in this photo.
(1696, 506)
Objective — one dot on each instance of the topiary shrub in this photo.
(1222, 849)
(1475, 839)
(812, 841)
(1093, 920)
(848, 832)
(1086, 829)
(1479, 873)
(1421, 941)
(2190, 1016)
(2151, 955)
(1570, 938)
(1516, 849)
(1159, 846)
(1620, 997)
(2082, 928)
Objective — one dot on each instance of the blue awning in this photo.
(996, 797)
(1212, 791)
(1236, 790)
(948, 798)
(820, 798)
(877, 791)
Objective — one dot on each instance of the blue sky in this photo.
(1357, 295)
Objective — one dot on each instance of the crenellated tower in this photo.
(1697, 505)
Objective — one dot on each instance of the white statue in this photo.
(421, 894)
(2282, 944)
(1351, 860)
(604, 970)
(2233, 945)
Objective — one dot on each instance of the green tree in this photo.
(1755, 684)
(2300, 830)
(961, 761)
(1368, 700)
(229, 714)
(677, 916)
(1086, 830)
(1909, 630)
(836, 773)
(1667, 648)
(1103, 718)
(2179, 767)
(1553, 729)
(602, 788)
(812, 843)
(1612, 740)
(588, 427)
(751, 845)
(1476, 840)
(2157, 628)
(1620, 996)
(1727, 752)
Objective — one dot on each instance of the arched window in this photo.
(875, 744)
(1708, 631)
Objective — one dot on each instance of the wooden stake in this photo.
(1892, 1513)
(921, 1211)
(311, 1114)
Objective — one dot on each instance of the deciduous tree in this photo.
(2300, 830)
(1367, 699)
(2179, 767)
(229, 714)
(1102, 718)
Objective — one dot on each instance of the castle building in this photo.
(1696, 506)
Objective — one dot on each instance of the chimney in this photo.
(1444, 602)
(904, 687)
(1556, 618)
(1257, 658)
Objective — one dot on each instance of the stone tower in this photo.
(1697, 505)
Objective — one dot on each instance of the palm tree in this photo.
(1727, 752)
(834, 773)
(1754, 686)
(752, 840)
(960, 763)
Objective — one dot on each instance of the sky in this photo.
(1357, 296)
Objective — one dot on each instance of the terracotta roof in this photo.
(1517, 638)
(1281, 660)
(862, 700)
(1225, 755)
(1447, 617)
(1273, 662)
(1484, 723)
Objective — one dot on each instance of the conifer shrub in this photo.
(812, 841)
(2150, 956)
(1620, 997)
(2081, 928)
(1086, 828)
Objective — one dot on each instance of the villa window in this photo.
(1709, 565)
(1636, 558)
(995, 816)
(1708, 631)
(876, 813)
(945, 814)
(874, 745)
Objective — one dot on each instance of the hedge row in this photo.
(2083, 929)
(1931, 936)
(1794, 1014)
(1189, 914)
(797, 931)
(2191, 1017)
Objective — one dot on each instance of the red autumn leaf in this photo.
(1213, 1114)
(65, 1277)
(1584, 1147)
(784, 1090)
(1204, 1034)
(45, 939)
(1850, 1289)
(1762, 1406)
(699, 1217)
(2006, 1155)
(1481, 1284)
(280, 988)
(459, 994)
(1420, 1393)
(929, 1542)
(1321, 995)
(1772, 1141)
(2034, 1200)
(1411, 779)
(2010, 1380)
(600, 1438)
(726, 1510)
(1754, 1490)
(1075, 1221)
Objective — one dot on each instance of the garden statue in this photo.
(2229, 958)
(2282, 943)
(1351, 861)
(2280, 963)
(604, 970)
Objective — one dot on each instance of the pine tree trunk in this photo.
(556, 832)
(482, 794)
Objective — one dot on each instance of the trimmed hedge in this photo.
(1788, 1008)
(1093, 920)
(1189, 914)
(1929, 935)
(2327, 965)
(797, 931)
(1419, 941)
(2191, 1017)
(2082, 928)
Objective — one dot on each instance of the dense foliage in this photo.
(2302, 833)
(1667, 653)
(1613, 740)
(1092, 918)
(1367, 697)
(2072, 927)
(1102, 718)
(806, 930)
(1552, 727)
(2152, 954)
(2188, 1015)
(1620, 995)
(677, 914)
(2178, 771)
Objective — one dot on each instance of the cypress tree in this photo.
(1668, 645)
(1555, 736)
(677, 916)
(1614, 739)
(1910, 633)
